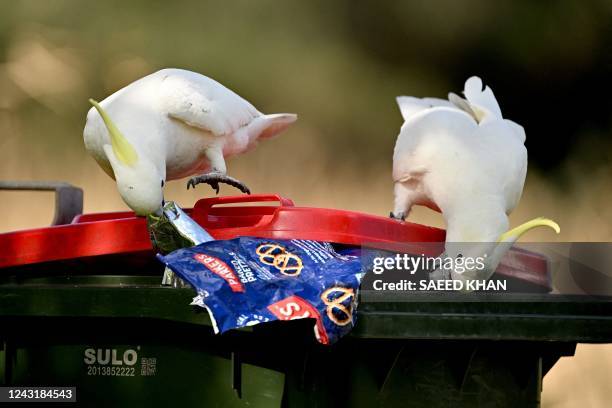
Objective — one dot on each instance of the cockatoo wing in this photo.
(517, 130)
(513, 195)
(501, 159)
(204, 103)
(510, 176)
(410, 106)
(418, 145)
(511, 166)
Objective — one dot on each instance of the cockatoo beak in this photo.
(123, 150)
(515, 233)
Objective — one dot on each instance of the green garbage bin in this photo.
(123, 340)
(106, 326)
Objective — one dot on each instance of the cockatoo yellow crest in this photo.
(516, 232)
(121, 146)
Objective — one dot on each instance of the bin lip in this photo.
(109, 233)
(531, 317)
(122, 232)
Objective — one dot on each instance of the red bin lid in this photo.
(230, 217)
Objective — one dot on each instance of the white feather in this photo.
(481, 99)
(446, 158)
(463, 159)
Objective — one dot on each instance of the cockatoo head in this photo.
(139, 181)
(140, 186)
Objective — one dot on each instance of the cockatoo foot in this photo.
(399, 216)
(213, 179)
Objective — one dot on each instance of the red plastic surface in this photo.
(287, 221)
(116, 233)
(79, 219)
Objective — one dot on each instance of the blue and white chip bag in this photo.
(247, 281)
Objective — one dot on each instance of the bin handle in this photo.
(68, 198)
(206, 204)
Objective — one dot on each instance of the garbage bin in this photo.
(82, 306)
(127, 341)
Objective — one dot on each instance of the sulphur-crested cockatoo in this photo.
(461, 157)
(169, 125)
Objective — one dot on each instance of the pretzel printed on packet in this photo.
(247, 281)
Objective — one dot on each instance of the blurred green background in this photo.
(339, 65)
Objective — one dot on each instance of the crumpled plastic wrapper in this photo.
(173, 230)
(246, 281)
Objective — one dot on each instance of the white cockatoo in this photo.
(462, 158)
(169, 125)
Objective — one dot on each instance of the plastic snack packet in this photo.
(173, 230)
(247, 281)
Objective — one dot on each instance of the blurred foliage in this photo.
(339, 64)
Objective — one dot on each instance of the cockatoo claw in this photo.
(213, 179)
(399, 216)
